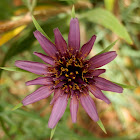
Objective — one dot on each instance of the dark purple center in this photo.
(69, 73)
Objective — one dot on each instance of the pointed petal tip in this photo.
(60, 43)
(108, 101)
(17, 63)
(98, 93)
(35, 53)
(45, 43)
(86, 48)
(56, 29)
(39, 94)
(102, 59)
(27, 83)
(107, 85)
(96, 119)
(50, 126)
(89, 106)
(36, 33)
(74, 121)
(74, 35)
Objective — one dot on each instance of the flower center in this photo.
(69, 73)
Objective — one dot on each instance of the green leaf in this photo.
(52, 132)
(107, 48)
(33, 5)
(38, 27)
(124, 86)
(27, 3)
(73, 12)
(14, 69)
(109, 4)
(101, 126)
(108, 20)
(17, 106)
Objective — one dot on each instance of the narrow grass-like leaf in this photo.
(107, 48)
(73, 12)
(14, 69)
(101, 126)
(109, 4)
(108, 20)
(38, 27)
(17, 106)
(33, 5)
(27, 3)
(124, 86)
(52, 132)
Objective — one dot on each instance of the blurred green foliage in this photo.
(121, 119)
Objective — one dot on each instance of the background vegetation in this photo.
(108, 20)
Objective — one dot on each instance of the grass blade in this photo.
(73, 12)
(124, 86)
(52, 132)
(14, 69)
(38, 27)
(17, 106)
(107, 48)
(101, 126)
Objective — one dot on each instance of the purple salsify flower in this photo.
(69, 74)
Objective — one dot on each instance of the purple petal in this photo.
(85, 50)
(45, 58)
(74, 104)
(89, 106)
(106, 85)
(102, 59)
(57, 93)
(34, 67)
(95, 73)
(74, 35)
(46, 44)
(60, 43)
(39, 94)
(40, 81)
(59, 84)
(58, 110)
(98, 93)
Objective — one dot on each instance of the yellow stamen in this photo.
(77, 87)
(71, 73)
(77, 72)
(66, 75)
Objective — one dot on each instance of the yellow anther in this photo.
(84, 71)
(71, 73)
(73, 77)
(86, 80)
(63, 88)
(77, 72)
(66, 70)
(66, 75)
(70, 86)
(77, 87)
(69, 80)
(62, 68)
(60, 61)
(56, 82)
